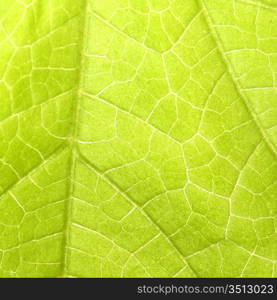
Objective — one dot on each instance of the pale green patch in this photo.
(138, 138)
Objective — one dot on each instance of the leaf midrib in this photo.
(84, 18)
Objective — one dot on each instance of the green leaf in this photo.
(138, 138)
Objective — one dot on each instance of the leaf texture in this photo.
(138, 138)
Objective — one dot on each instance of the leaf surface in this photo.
(138, 138)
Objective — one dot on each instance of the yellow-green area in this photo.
(138, 138)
